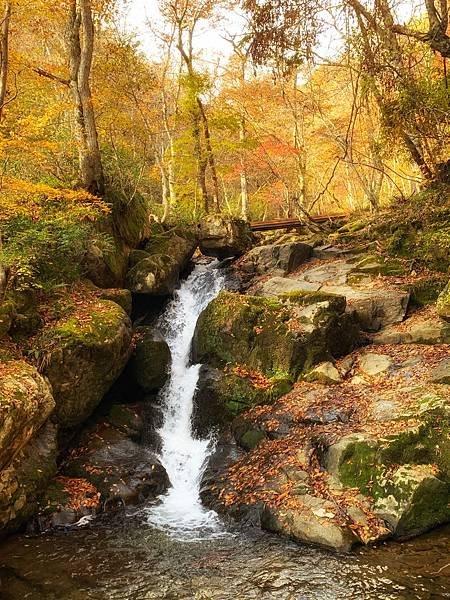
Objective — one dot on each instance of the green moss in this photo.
(443, 303)
(426, 291)
(240, 394)
(7, 311)
(252, 438)
(359, 466)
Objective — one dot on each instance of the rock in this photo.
(119, 296)
(221, 396)
(88, 350)
(106, 269)
(443, 303)
(441, 374)
(277, 259)
(7, 311)
(136, 256)
(156, 276)
(417, 501)
(275, 286)
(224, 237)
(179, 244)
(26, 402)
(271, 336)
(150, 361)
(324, 373)
(374, 308)
(426, 330)
(374, 364)
(25, 479)
(311, 523)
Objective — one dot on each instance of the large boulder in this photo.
(443, 303)
(27, 442)
(108, 470)
(375, 306)
(156, 270)
(426, 328)
(157, 276)
(82, 356)
(280, 259)
(277, 337)
(224, 237)
(150, 361)
(26, 478)
(26, 402)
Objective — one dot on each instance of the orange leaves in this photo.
(257, 379)
(82, 494)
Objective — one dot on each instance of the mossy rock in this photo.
(26, 478)
(270, 336)
(426, 291)
(136, 256)
(119, 296)
(224, 237)
(26, 402)
(7, 311)
(83, 354)
(336, 302)
(220, 397)
(178, 243)
(156, 276)
(443, 303)
(150, 362)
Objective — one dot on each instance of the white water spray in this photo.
(184, 456)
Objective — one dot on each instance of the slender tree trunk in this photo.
(81, 49)
(243, 175)
(211, 159)
(4, 56)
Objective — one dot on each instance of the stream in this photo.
(178, 550)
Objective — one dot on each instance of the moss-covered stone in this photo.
(136, 256)
(25, 404)
(157, 275)
(223, 237)
(149, 365)
(426, 291)
(180, 244)
(119, 296)
(270, 336)
(443, 303)
(83, 354)
(25, 479)
(7, 310)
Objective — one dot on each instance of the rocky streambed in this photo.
(326, 380)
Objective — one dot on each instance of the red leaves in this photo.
(82, 494)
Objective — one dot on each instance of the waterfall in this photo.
(180, 511)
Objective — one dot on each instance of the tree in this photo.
(81, 50)
(4, 55)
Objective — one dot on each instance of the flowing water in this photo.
(183, 455)
(177, 549)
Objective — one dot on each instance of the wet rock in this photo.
(374, 364)
(324, 373)
(311, 523)
(26, 477)
(90, 347)
(150, 361)
(280, 259)
(223, 237)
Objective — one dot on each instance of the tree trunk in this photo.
(81, 49)
(211, 160)
(243, 175)
(4, 56)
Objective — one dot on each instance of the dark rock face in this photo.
(223, 237)
(86, 359)
(276, 259)
(109, 467)
(150, 361)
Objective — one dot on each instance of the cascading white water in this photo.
(184, 456)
